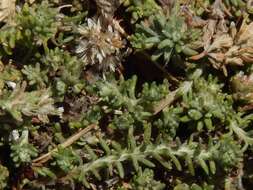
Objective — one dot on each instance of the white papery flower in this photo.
(99, 45)
(14, 135)
(11, 84)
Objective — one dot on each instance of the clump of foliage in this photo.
(141, 9)
(32, 26)
(144, 180)
(130, 94)
(170, 35)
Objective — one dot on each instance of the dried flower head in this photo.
(99, 45)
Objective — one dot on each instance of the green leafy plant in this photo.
(141, 9)
(126, 95)
(22, 150)
(169, 35)
(32, 26)
(145, 181)
(193, 187)
(65, 159)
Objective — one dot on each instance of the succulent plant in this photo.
(169, 36)
(126, 94)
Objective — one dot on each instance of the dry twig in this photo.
(45, 157)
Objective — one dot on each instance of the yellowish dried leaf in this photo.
(246, 54)
(7, 10)
(234, 61)
(245, 33)
(222, 41)
(217, 56)
(31, 1)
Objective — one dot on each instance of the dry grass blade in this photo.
(171, 97)
(164, 102)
